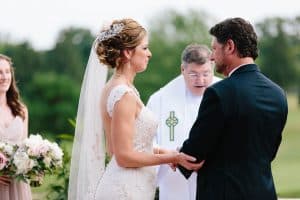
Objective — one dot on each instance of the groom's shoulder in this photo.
(220, 83)
(223, 86)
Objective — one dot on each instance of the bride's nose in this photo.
(149, 54)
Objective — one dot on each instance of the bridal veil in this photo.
(88, 154)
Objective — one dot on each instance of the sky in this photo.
(39, 21)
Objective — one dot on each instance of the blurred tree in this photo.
(278, 51)
(169, 33)
(52, 99)
(26, 61)
(295, 25)
(71, 52)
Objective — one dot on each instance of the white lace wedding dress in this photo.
(118, 183)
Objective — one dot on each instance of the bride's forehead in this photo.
(144, 41)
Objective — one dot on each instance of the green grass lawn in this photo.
(40, 193)
(286, 166)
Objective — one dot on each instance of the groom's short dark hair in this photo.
(241, 32)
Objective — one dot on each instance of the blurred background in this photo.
(50, 41)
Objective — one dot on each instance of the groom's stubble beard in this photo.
(220, 68)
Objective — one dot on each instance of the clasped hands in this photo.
(187, 161)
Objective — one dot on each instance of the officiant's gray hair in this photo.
(195, 53)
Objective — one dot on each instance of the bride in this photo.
(129, 126)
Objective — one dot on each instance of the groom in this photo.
(176, 112)
(240, 121)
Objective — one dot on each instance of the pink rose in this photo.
(38, 150)
(3, 161)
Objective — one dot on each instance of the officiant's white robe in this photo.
(177, 109)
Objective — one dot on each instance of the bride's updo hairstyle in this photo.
(120, 35)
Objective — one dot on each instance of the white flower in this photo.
(6, 148)
(36, 155)
(56, 151)
(47, 160)
(36, 146)
(22, 162)
(33, 140)
(2, 145)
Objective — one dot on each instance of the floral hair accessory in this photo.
(114, 30)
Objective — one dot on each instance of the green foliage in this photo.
(71, 52)
(53, 99)
(299, 93)
(26, 61)
(59, 189)
(279, 50)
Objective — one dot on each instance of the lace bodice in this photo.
(130, 183)
(146, 123)
(14, 132)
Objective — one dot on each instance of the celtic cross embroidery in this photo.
(171, 122)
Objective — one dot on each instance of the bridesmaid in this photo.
(13, 127)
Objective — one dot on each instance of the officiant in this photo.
(176, 106)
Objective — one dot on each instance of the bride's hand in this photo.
(173, 166)
(188, 162)
(4, 180)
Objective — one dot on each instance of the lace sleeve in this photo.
(115, 95)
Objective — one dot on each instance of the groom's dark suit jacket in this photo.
(238, 132)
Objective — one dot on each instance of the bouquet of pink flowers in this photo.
(31, 160)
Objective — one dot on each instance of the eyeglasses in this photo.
(194, 76)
